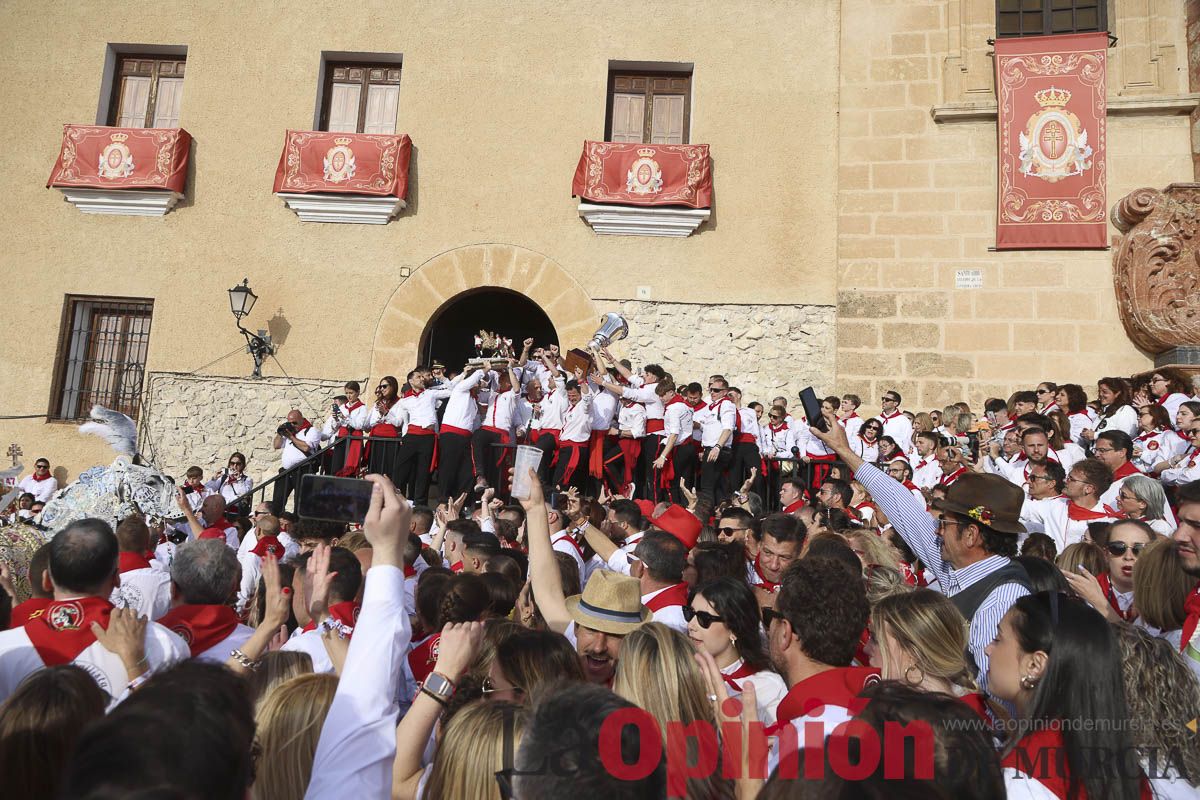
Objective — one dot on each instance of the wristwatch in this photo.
(439, 687)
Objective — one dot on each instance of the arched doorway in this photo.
(450, 335)
(406, 316)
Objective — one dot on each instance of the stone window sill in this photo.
(1163, 105)
(122, 202)
(347, 208)
(612, 220)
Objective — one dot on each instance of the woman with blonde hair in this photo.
(658, 672)
(920, 638)
(288, 726)
(1088, 555)
(471, 751)
(1163, 696)
(871, 549)
(274, 668)
(1160, 590)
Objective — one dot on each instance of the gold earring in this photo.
(1028, 682)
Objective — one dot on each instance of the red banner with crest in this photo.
(344, 163)
(1052, 111)
(99, 157)
(644, 174)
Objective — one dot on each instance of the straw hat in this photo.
(610, 603)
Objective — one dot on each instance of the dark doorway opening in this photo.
(450, 334)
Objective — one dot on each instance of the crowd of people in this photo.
(699, 597)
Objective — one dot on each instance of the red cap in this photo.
(680, 523)
(646, 507)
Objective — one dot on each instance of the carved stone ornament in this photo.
(1156, 268)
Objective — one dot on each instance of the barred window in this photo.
(101, 355)
(1047, 17)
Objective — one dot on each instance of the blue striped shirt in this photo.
(919, 530)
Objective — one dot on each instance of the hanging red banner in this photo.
(1052, 112)
(644, 174)
(99, 157)
(344, 163)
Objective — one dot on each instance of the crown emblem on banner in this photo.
(120, 137)
(343, 140)
(1052, 97)
(646, 152)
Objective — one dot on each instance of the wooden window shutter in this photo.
(382, 100)
(628, 117)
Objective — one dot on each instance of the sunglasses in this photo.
(42, 466)
(776, 417)
(889, 400)
(769, 615)
(703, 617)
(489, 686)
(716, 388)
(237, 463)
(1119, 548)
(730, 531)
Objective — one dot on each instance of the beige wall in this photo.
(917, 202)
(497, 97)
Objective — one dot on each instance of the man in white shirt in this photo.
(1066, 523)
(895, 423)
(204, 581)
(661, 559)
(927, 471)
(718, 418)
(848, 414)
(145, 585)
(41, 484)
(495, 430)
(746, 455)
(571, 468)
(459, 422)
(83, 572)
(345, 581)
(298, 440)
(418, 453)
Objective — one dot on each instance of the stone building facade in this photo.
(854, 158)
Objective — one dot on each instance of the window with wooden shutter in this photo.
(101, 355)
(148, 92)
(1047, 17)
(360, 98)
(649, 107)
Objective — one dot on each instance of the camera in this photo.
(188, 488)
(286, 429)
(176, 537)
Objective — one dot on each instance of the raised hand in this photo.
(457, 647)
(318, 580)
(388, 523)
(688, 495)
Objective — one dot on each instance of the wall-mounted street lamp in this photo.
(241, 303)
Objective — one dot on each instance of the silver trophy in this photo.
(613, 328)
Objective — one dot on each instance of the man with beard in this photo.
(1187, 544)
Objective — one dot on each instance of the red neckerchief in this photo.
(699, 404)
(744, 671)
(127, 562)
(676, 595)
(871, 442)
(423, 658)
(912, 487)
(268, 545)
(1191, 608)
(357, 404)
(1143, 437)
(837, 686)
(770, 586)
(1078, 513)
(1161, 400)
(1125, 470)
(413, 393)
(31, 608)
(201, 626)
(1106, 584)
(977, 702)
(783, 426)
(303, 426)
(64, 628)
(345, 612)
(410, 571)
(45, 477)
(676, 398)
(212, 532)
(946, 480)
(888, 417)
(794, 506)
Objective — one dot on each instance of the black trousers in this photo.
(683, 458)
(714, 483)
(572, 467)
(487, 458)
(412, 467)
(746, 457)
(548, 444)
(455, 460)
(643, 471)
(284, 487)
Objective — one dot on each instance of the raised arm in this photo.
(543, 568)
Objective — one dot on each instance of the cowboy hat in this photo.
(988, 499)
(610, 603)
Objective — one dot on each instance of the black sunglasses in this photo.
(703, 617)
(730, 531)
(769, 615)
(1119, 548)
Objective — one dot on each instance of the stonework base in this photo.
(765, 350)
(199, 420)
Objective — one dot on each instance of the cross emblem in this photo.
(1053, 136)
(15, 452)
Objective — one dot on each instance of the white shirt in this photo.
(604, 408)
(219, 652)
(499, 413)
(769, 689)
(647, 395)
(1123, 419)
(1186, 471)
(1155, 447)
(358, 739)
(927, 471)
(19, 658)
(310, 642)
(714, 418)
(564, 542)
(632, 418)
(749, 422)
(671, 616)
(421, 406)
(397, 417)
(553, 406)
(867, 451)
(230, 488)
(42, 490)
(293, 455)
(899, 427)
(853, 424)
(677, 420)
(462, 409)
(146, 590)
(577, 421)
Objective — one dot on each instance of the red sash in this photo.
(421, 430)
(676, 595)
(654, 425)
(745, 438)
(596, 454)
(573, 457)
(744, 671)
(346, 612)
(201, 626)
(838, 686)
(424, 657)
(632, 448)
(1078, 513)
(63, 630)
(456, 431)
(127, 562)
(1191, 608)
(30, 609)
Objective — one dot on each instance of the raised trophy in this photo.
(490, 347)
(613, 328)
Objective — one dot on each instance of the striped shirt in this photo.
(919, 530)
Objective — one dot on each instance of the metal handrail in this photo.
(260, 489)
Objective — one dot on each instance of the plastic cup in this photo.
(527, 458)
